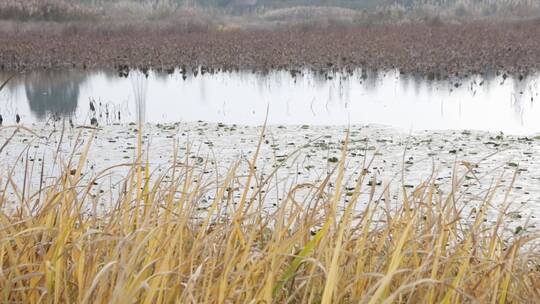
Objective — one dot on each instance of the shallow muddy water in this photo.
(490, 102)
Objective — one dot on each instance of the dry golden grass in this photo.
(162, 242)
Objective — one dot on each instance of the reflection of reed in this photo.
(5, 82)
(140, 86)
(518, 97)
(2, 85)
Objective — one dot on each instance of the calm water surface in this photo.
(490, 102)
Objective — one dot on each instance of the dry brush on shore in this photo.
(510, 47)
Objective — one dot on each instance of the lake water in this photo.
(490, 102)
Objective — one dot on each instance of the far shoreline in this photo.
(434, 51)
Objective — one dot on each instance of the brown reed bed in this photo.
(435, 50)
(163, 240)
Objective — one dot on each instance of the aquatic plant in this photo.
(182, 236)
(449, 49)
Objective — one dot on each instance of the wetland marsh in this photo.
(236, 154)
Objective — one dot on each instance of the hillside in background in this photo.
(267, 13)
(239, 4)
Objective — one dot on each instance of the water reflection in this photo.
(139, 82)
(53, 93)
(490, 101)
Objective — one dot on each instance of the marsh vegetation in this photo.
(113, 188)
(190, 234)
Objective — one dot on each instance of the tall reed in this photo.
(183, 237)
